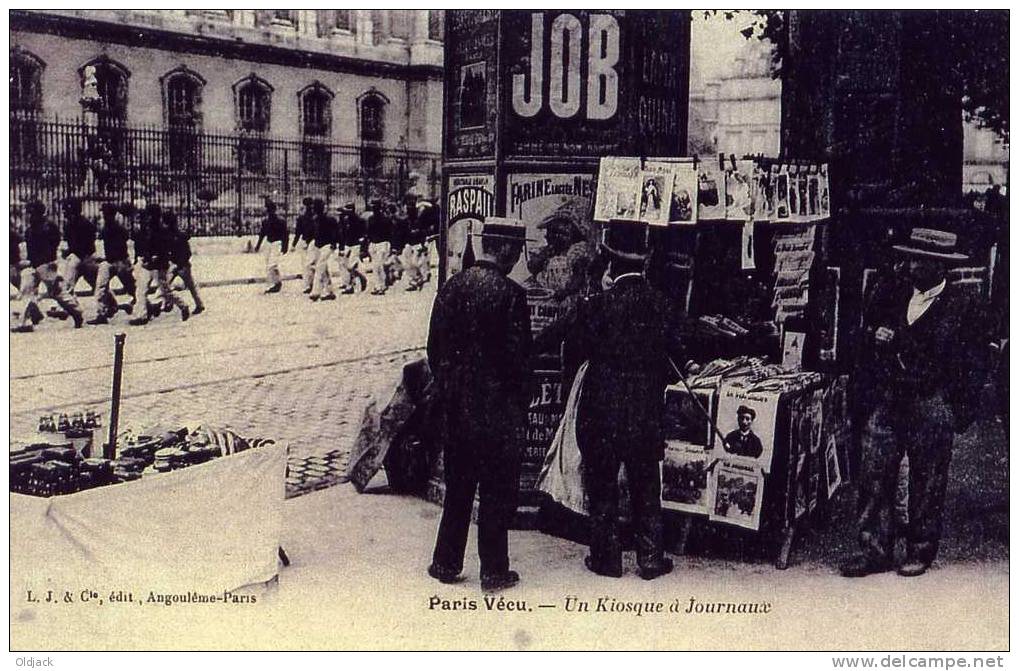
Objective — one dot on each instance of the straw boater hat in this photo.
(504, 228)
(932, 244)
(626, 240)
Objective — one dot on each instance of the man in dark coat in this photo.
(743, 441)
(379, 232)
(920, 362)
(153, 244)
(622, 333)
(478, 349)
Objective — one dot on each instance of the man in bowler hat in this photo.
(743, 441)
(622, 333)
(919, 363)
(479, 345)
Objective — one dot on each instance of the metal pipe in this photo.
(110, 449)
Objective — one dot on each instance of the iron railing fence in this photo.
(214, 182)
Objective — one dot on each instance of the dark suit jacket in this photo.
(479, 344)
(622, 334)
(749, 446)
(940, 353)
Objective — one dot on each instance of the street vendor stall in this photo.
(207, 528)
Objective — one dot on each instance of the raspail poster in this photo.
(710, 191)
(469, 199)
(747, 420)
(654, 197)
(735, 494)
(687, 417)
(739, 185)
(685, 477)
(617, 188)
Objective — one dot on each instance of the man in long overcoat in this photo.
(478, 349)
(622, 333)
(920, 366)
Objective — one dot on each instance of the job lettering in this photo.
(566, 86)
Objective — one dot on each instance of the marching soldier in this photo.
(378, 233)
(351, 232)
(304, 235)
(479, 345)
(273, 230)
(180, 257)
(42, 238)
(152, 249)
(327, 237)
(80, 255)
(115, 263)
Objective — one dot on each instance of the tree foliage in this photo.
(973, 54)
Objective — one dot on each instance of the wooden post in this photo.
(110, 449)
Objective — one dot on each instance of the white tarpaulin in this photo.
(209, 528)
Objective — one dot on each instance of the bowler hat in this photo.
(35, 206)
(744, 410)
(933, 244)
(307, 202)
(626, 240)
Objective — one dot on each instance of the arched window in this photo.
(26, 82)
(334, 20)
(182, 103)
(316, 105)
(373, 116)
(182, 98)
(111, 85)
(253, 98)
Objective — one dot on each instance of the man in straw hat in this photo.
(622, 333)
(919, 365)
(304, 235)
(479, 345)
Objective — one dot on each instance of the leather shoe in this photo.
(656, 570)
(138, 321)
(444, 575)
(98, 319)
(494, 582)
(912, 569)
(274, 289)
(184, 313)
(330, 297)
(198, 310)
(859, 566)
(614, 573)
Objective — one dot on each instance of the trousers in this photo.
(601, 479)
(161, 276)
(379, 252)
(496, 483)
(45, 274)
(108, 270)
(310, 261)
(75, 267)
(185, 274)
(323, 285)
(922, 429)
(272, 265)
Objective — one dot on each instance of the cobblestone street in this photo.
(276, 366)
